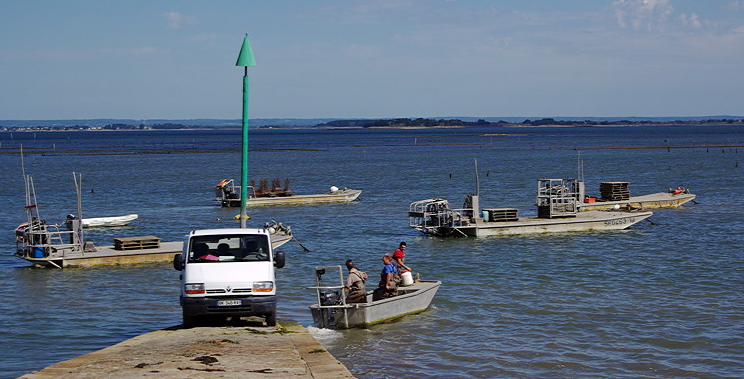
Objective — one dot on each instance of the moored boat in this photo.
(111, 221)
(333, 311)
(612, 194)
(228, 195)
(45, 246)
(671, 199)
(557, 211)
(49, 245)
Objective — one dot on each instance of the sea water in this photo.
(661, 299)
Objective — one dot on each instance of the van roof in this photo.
(206, 232)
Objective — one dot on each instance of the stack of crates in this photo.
(500, 214)
(614, 191)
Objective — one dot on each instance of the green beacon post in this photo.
(245, 59)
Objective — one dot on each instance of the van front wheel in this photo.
(188, 320)
(271, 319)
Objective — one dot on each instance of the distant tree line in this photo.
(426, 122)
(550, 121)
(404, 122)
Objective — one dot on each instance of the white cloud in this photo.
(692, 20)
(647, 14)
(176, 20)
(736, 5)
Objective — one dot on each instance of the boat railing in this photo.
(321, 289)
(229, 191)
(431, 214)
(251, 192)
(50, 242)
(557, 198)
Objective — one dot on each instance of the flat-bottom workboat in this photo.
(332, 311)
(557, 211)
(228, 195)
(50, 245)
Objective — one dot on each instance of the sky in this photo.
(84, 59)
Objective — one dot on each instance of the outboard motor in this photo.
(330, 297)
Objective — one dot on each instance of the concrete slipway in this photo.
(240, 351)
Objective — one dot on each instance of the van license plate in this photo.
(227, 303)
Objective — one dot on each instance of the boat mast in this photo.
(23, 165)
(581, 191)
(78, 178)
(26, 180)
(474, 199)
(477, 179)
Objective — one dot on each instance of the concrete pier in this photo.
(247, 350)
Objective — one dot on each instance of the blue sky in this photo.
(371, 59)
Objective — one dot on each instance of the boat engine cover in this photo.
(330, 297)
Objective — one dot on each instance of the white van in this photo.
(228, 273)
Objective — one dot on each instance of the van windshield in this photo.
(229, 248)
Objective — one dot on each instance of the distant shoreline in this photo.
(375, 127)
(102, 124)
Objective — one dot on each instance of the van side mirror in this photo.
(178, 262)
(279, 259)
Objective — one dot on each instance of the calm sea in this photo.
(660, 300)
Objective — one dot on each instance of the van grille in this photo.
(222, 290)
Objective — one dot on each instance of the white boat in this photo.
(111, 221)
(228, 195)
(557, 212)
(333, 311)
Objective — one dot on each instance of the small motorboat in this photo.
(104, 221)
(331, 310)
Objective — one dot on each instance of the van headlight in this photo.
(263, 286)
(194, 288)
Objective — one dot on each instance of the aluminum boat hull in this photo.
(411, 299)
(651, 201)
(583, 222)
(340, 196)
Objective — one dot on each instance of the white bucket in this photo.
(406, 279)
